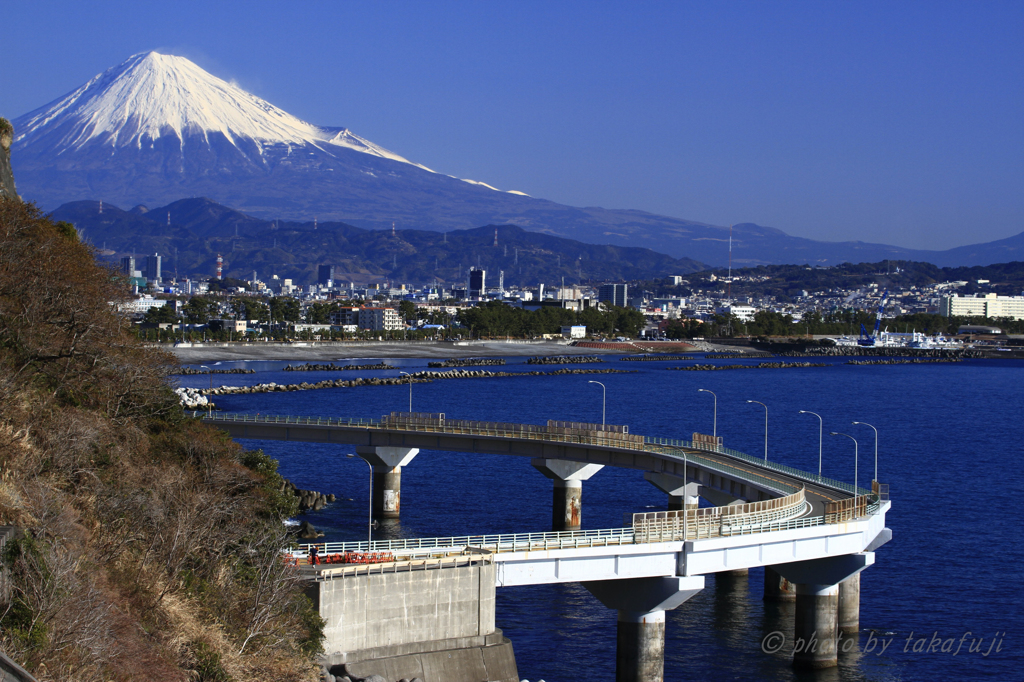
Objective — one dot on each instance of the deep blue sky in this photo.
(895, 122)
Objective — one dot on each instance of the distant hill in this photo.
(189, 234)
(157, 127)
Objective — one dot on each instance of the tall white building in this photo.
(987, 305)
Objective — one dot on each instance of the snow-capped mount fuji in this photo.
(162, 100)
(157, 128)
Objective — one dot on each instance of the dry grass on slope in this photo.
(150, 543)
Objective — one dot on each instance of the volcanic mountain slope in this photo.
(191, 232)
(157, 128)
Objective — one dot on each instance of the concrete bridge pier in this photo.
(640, 637)
(816, 629)
(567, 496)
(387, 463)
(849, 604)
(679, 491)
(777, 588)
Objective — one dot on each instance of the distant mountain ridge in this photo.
(157, 128)
(189, 234)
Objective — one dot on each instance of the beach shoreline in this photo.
(352, 350)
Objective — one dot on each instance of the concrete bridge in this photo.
(813, 535)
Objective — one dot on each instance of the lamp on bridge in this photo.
(369, 532)
(714, 424)
(876, 446)
(821, 426)
(604, 398)
(410, 389)
(765, 426)
(834, 433)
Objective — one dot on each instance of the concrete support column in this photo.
(679, 491)
(640, 634)
(387, 465)
(777, 588)
(567, 496)
(816, 627)
(566, 505)
(387, 492)
(817, 605)
(640, 647)
(849, 604)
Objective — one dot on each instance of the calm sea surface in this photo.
(950, 446)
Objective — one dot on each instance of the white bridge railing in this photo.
(739, 519)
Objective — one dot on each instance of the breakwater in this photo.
(653, 358)
(237, 370)
(843, 351)
(467, 362)
(760, 365)
(331, 367)
(736, 355)
(418, 377)
(564, 360)
(902, 361)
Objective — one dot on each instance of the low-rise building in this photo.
(987, 305)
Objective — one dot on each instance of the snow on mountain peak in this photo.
(153, 95)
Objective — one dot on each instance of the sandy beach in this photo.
(223, 352)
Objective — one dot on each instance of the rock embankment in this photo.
(468, 362)
(651, 358)
(237, 370)
(735, 355)
(331, 367)
(193, 399)
(903, 361)
(843, 351)
(760, 365)
(563, 360)
(418, 377)
(308, 499)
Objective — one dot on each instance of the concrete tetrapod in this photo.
(387, 465)
(567, 496)
(640, 636)
(816, 627)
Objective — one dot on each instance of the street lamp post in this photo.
(714, 423)
(410, 389)
(876, 446)
(855, 458)
(765, 426)
(369, 532)
(821, 425)
(604, 398)
(208, 403)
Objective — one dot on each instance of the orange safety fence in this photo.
(340, 558)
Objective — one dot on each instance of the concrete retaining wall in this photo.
(405, 608)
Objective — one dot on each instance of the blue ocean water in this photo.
(949, 446)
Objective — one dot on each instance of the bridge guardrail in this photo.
(612, 439)
(716, 521)
(781, 468)
(509, 542)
